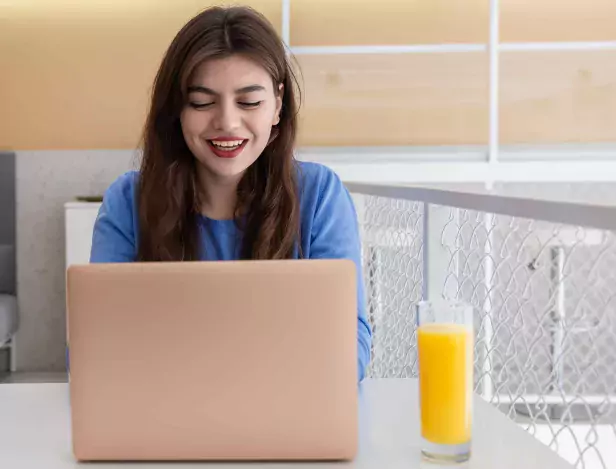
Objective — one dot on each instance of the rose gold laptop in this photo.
(244, 360)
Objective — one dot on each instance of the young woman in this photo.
(218, 179)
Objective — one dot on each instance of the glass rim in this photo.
(440, 302)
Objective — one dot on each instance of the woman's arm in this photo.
(114, 238)
(335, 235)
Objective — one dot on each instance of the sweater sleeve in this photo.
(335, 235)
(114, 238)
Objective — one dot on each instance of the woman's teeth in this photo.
(227, 145)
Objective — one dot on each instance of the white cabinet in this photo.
(79, 218)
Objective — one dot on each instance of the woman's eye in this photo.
(250, 105)
(200, 105)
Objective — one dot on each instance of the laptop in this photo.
(235, 360)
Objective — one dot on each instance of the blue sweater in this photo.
(328, 222)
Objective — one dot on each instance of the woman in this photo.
(218, 180)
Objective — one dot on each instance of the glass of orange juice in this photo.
(445, 348)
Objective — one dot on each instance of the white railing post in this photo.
(440, 264)
(371, 270)
(286, 22)
(487, 383)
(425, 241)
(493, 50)
(557, 318)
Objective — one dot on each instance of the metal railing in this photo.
(541, 276)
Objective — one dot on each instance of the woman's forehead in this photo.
(231, 73)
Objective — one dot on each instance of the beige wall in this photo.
(408, 99)
(548, 97)
(557, 20)
(351, 22)
(77, 74)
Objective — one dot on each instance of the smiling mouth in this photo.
(227, 148)
(227, 145)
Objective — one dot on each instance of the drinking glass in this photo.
(445, 348)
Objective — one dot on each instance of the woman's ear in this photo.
(279, 96)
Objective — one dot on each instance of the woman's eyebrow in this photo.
(201, 89)
(206, 90)
(250, 89)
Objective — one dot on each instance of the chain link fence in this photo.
(544, 296)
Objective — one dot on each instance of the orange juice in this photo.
(445, 382)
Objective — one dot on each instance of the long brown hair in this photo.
(267, 209)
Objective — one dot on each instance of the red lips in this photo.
(226, 152)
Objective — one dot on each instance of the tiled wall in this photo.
(45, 181)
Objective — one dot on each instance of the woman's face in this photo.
(228, 118)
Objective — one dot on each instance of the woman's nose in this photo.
(227, 118)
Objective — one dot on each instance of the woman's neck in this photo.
(218, 195)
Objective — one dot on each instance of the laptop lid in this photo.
(241, 360)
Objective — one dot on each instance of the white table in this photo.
(35, 434)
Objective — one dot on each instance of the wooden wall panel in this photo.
(558, 20)
(78, 74)
(558, 97)
(411, 99)
(352, 22)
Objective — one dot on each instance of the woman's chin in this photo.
(220, 169)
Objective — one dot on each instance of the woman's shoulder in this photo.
(322, 192)
(124, 184)
(115, 230)
(120, 196)
(316, 178)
